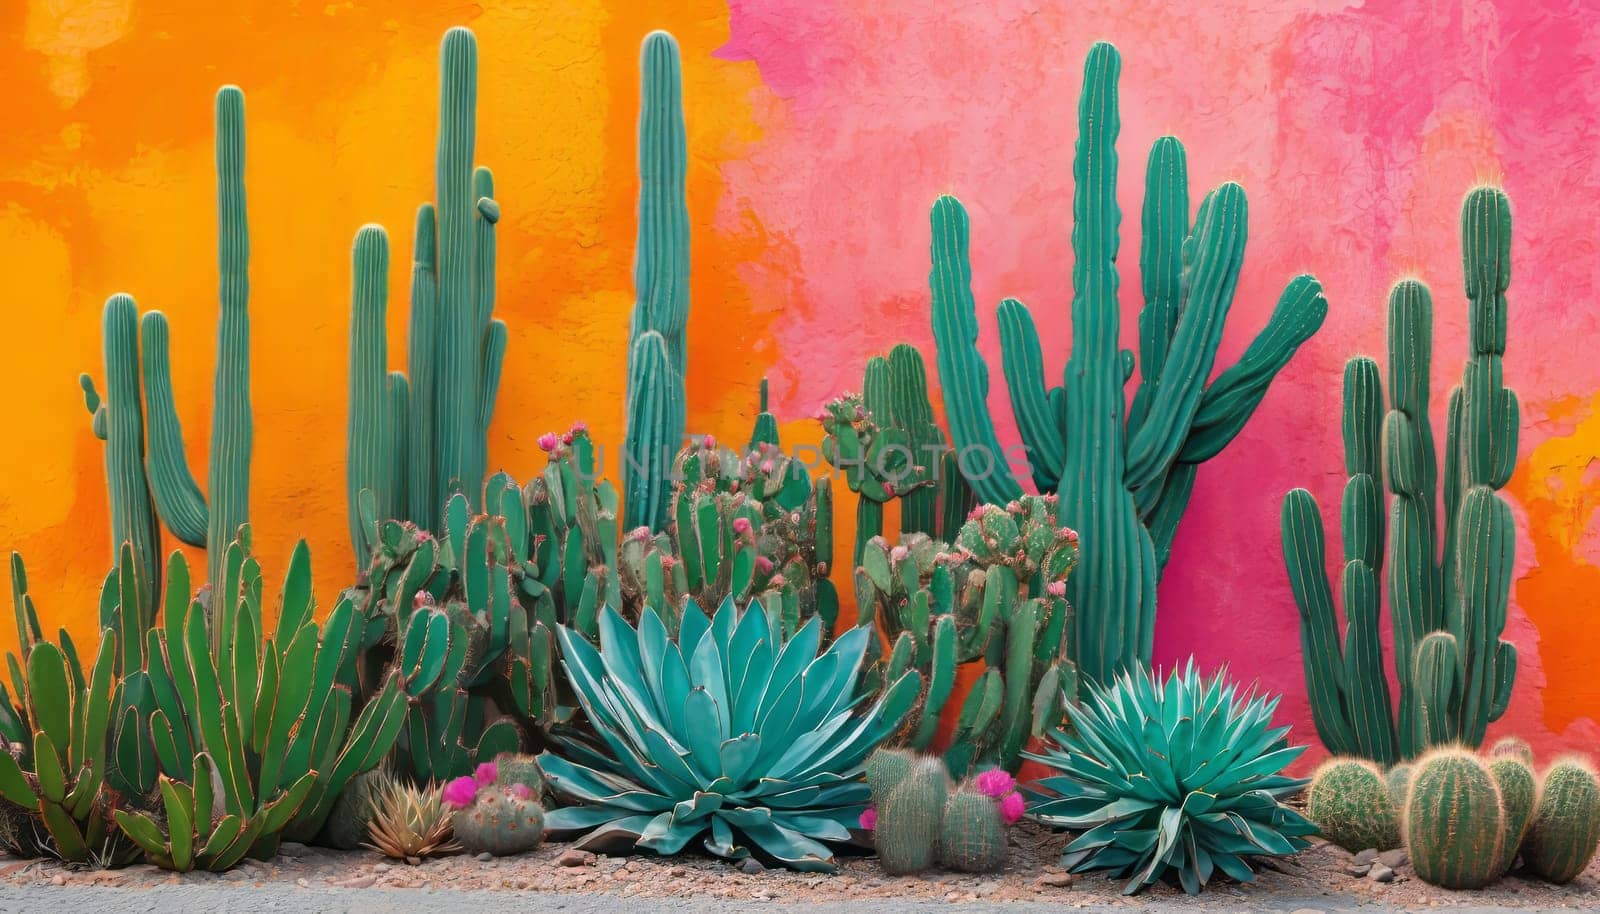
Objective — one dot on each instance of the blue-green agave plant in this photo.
(1172, 781)
(729, 732)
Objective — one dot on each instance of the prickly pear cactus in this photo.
(1561, 838)
(1454, 822)
(1349, 801)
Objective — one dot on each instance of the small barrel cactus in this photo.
(1349, 801)
(1453, 820)
(1398, 779)
(1566, 822)
(511, 768)
(887, 768)
(501, 821)
(1517, 793)
(973, 838)
(1512, 747)
(350, 822)
(910, 818)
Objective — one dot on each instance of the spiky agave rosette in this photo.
(730, 732)
(1171, 780)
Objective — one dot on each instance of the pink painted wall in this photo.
(1356, 128)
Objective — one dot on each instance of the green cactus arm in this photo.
(460, 333)
(1437, 682)
(1366, 687)
(1164, 226)
(1230, 400)
(963, 376)
(647, 457)
(91, 402)
(1305, 557)
(1022, 362)
(177, 495)
(1163, 518)
(121, 419)
(913, 413)
(1485, 559)
(765, 430)
(396, 426)
(228, 478)
(494, 356)
(1213, 255)
(369, 439)
(423, 495)
(491, 334)
(1486, 264)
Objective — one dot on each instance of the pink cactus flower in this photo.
(547, 442)
(889, 489)
(522, 791)
(763, 565)
(975, 513)
(709, 442)
(420, 537)
(741, 525)
(579, 426)
(898, 554)
(869, 818)
(1012, 807)
(1056, 588)
(777, 581)
(766, 466)
(459, 793)
(567, 438)
(1072, 536)
(994, 783)
(423, 598)
(486, 774)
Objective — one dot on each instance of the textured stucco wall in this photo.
(820, 132)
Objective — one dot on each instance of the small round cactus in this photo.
(1512, 747)
(885, 769)
(1398, 780)
(1454, 822)
(501, 821)
(910, 817)
(973, 838)
(1517, 792)
(352, 812)
(1561, 837)
(1349, 801)
(512, 768)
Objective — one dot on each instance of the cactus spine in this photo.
(1449, 603)
(1565, 828)
(1518, 790)
(1398, 780)
(1124, 480)
(214, 519)
(501, 821)
(910, 818)
(1350, 802)
(657, 349)
(1512, 747)
(1454, 821)
(972, 838)
(512, 769)
(420, 436)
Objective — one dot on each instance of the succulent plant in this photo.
(972, 836)
(1449, 577)
(136, 355)
(411, 823)
(1135, 778)
(513, 769)
(500, 821)
(1454, 822)
(1398, 780)
(1518, 791)
(1349, 801)
(1124, 476)
(739, 754)
(887, 767)
(1565, 828)
(1513, 747)
(910, 821)
(350, 821)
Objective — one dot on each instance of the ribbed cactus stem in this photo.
(371, 442)
(1454, 821)
(228, 479)
(423, 494)
(133, 517)
(1565, 827)
(460, 329)
(661, 285)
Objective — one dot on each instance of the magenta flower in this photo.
(1012, 808)
(869, 818)
(741, 525)
(994, 783)
(899, 553)
(522, 791)
(763, 564)
(459, 793)
(486, 774)
(547, 442)
(580, 426)
(709, 442)
(1056, 588)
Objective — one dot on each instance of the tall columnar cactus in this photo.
(1124, 476)
(420, 436)
(133, 357)
(657, 348)
(1448, 601)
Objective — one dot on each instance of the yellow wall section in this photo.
(106, 170)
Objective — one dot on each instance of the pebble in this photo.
(1367, 856)
(679, 871)
(58, 879)
(293, 849)
(1394, 859)
(1308, 911)
(359, 882)
(751, 866)
(485, 857)
(302, 883)
(1358, 869)
(574, 857)
(1056, 880)
(1381, 873)
(381, 867)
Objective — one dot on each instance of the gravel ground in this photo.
(313, 879)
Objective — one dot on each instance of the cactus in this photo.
(138, 356)
(1350, 803)
(1512, 747)
(1454, 822)
(886, 768)
(420, 436)
(657, 349)
(972, 838)
(1565, 828)
(910, 818)
(410, 823)
(1398, 781)
(350, 821)
(500, 821)
(1124, 480)
(513, 769)
(1518, 790)
(1448, 605)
